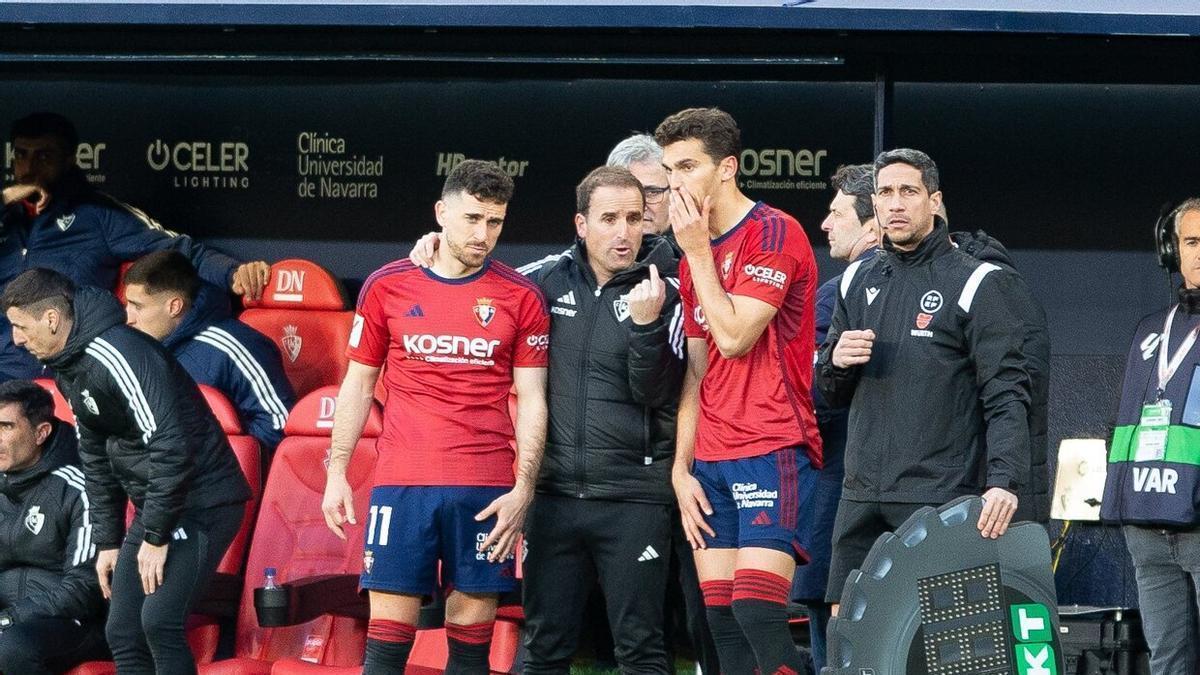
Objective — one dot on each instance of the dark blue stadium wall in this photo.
(1068, 176)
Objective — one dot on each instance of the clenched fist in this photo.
(853, 348)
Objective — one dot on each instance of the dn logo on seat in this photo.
(289, 286)
(325, 411)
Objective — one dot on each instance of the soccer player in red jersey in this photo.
(747, 448)
(456, 338)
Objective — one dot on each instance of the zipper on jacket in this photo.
(581, 430)
(646, 448)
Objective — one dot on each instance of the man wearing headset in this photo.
(1154, 463)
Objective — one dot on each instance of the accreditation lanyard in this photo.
(1167, 368)
(1154, 427)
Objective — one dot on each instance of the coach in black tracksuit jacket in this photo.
(604, 497)
(940, 410)
(51, 612)
(146, 433)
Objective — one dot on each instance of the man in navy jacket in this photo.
(853, 235)
(53, 218)
(166, 298)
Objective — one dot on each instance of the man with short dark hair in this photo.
(146, 435)
(51, 611)
(166, 299)
(926, 347)
(53, 218)
(456, 338)
(747, 447)
(616, 360)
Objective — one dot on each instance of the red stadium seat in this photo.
(303, 309)
(245, 447)
(119, 291)
(62, 409)
(294, 667)
(292, 537)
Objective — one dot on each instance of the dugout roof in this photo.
(1081, 17)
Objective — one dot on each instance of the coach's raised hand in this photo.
(647, 298)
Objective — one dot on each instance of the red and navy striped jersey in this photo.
(450, 346)
(761, 401)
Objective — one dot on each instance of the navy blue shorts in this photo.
(757, 501)
(411, 528)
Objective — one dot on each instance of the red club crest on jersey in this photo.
(726, 264)
(484, 311)
(923, 320)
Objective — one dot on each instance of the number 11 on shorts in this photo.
(376, 512)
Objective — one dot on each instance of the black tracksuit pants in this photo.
(146, 632)
(685, 586)
(572, 543)
(47, 645)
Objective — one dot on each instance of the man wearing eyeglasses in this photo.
(643, 157)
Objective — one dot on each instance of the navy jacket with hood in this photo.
(145, 430)
(224, 353)
(86, 235)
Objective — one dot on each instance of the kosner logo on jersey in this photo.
(450, 345)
